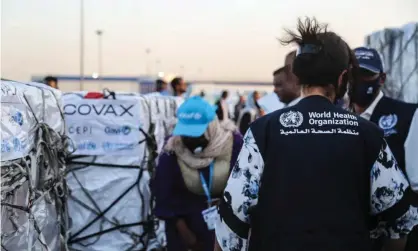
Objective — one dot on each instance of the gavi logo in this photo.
(123, 130)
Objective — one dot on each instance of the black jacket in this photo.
(394, 117)
(315, 188)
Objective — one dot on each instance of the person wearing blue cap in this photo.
(398, 120)
(191, 174)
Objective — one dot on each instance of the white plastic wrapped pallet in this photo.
(110, 195)
(399, 50)
(33, 194)
(163, 110)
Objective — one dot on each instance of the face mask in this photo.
(195, 145)
(339, 96)
(364, 92)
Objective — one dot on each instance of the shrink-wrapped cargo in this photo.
(111, 203)
(34, 213)
(399, 50)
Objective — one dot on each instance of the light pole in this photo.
(81, 45)
(99, 52)
(147, 52)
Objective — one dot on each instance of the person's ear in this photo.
(382, 78)
(343, 78)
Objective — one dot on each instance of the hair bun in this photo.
(322, 55)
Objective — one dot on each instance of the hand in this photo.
(215, 202)
(197, 246)
(217, 246)
(186, 234)
(394, 244)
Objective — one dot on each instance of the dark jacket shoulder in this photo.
(399, 102)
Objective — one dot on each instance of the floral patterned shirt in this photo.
(388, 185)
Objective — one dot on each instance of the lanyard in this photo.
(207, 188)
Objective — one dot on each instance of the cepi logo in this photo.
(123, 130)
(17, 118)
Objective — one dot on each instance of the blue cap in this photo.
(369, 59)
(194, 116)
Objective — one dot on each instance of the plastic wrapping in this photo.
(111, 203)
(164, 110)
(399, 50)
(33, 194)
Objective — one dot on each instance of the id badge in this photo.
(211, 216)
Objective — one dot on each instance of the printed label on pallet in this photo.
(103, 126)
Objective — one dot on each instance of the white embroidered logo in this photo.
(364, 54)
(291, 119)
(388, 122)
(197, 116)
(193, 115)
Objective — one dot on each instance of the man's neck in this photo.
(358, 109)
(297, 95)
(315, 91)
(293, 100)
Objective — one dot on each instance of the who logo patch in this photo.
(291, 119)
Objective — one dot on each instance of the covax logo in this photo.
(101, 110)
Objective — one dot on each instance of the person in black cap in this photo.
(313, 176)
(161, 87)
(392, 116)
(51, 82)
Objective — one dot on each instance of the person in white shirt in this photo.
(250, 113)
(286, 89)
(287, 92)
(285, 83)
(162, 87)
(239, 106)
(222, 112)
(398, 120)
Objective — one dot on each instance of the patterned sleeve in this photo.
(411, 156)
(389, 199)
(241, 194)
